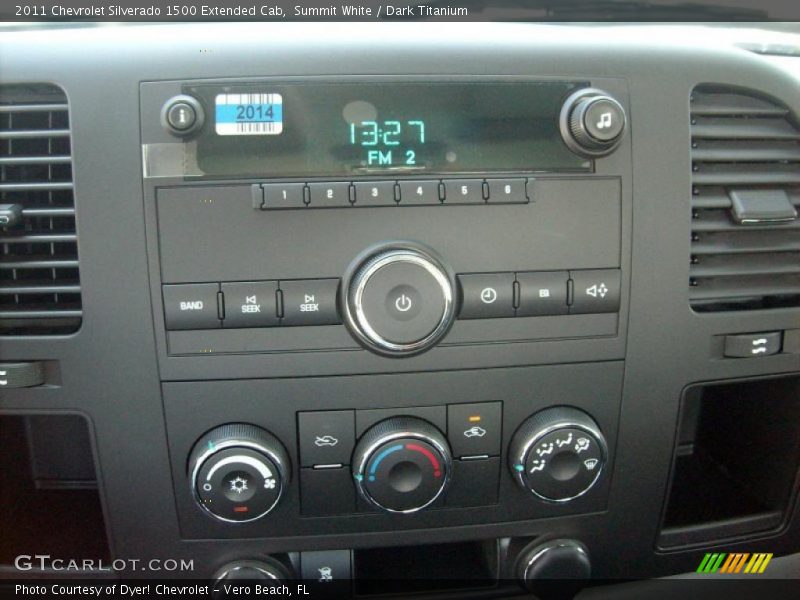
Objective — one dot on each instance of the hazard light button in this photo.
(595, 291)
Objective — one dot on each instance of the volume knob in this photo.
(398, 299)
(592, 123)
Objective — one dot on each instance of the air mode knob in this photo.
(402, 465)
(238, 472)
(398, 299)
(557, 454)
(592, 123)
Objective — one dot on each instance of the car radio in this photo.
(384, 225)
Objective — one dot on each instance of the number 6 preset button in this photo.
(507, 190)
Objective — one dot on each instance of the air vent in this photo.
(39, 284)
(745, 198)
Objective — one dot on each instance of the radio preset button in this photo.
(595, 291)
(543, 293)
(335, 194)
(487, 296)
(507, 190)
(464, 191)
(191, 306)
(374, 193)
(310, 302)
(250, 304)
(284, 195)
(419, 192)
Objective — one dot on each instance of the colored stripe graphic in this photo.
(758, 563)
(711, 563)
(429, 455)
(734, 563)
(380, 457)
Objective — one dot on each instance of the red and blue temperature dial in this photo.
(402, 465)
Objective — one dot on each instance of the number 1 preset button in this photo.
(283, 195)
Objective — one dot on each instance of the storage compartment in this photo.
(429, 568)
(47, 490)
(735, 467)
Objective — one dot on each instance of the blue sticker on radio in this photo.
(249, 114)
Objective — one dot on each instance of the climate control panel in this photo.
(404, 461)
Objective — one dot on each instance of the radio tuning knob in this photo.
(252, 570)
(592, 123)
(238, 472)
(398, 299)
(402, 465)
(557, 454)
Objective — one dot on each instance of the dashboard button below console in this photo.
(475, 429)
(191, 306)
(596, 291)
(464, 191)
(310, 302)
(543, 293)
(326, 437)
(284, 195)
(487, 296)
(375, 193)
(419, 192)
(507, 190)
(335, 194)
(328, 573)
(250, 304)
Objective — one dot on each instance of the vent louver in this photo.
(39, 282)
(745, 195)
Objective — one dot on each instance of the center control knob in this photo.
(238, 472)
(402, 465)
(557, 454)
(399, 299)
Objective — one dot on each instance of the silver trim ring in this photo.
(549, 547)
(201, 460)
(361, 324)
(368, 453)
(522, 457)
(245, 564)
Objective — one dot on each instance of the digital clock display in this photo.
(344, 129)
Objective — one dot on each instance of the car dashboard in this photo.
(365, 304)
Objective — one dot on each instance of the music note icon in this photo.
(605, 121)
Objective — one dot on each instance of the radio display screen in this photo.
(339, 129)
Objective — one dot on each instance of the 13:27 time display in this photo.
(388, 142)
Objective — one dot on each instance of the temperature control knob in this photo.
(402, 465)
(399, 299)
(592, 122)
(557, 454)
(238, 472)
